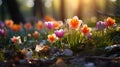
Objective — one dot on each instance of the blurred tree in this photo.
(38, 11)
(14, 11)
(62, 10)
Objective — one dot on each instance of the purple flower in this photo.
(1, 24)
(100, 25)
(59, 33)
(2, 32)
(49, 25)
(89, 35)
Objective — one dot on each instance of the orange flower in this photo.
(39, 25)
(52, 38)
(56, 25)
(28, 26)
(85, 29)
(74, 23)
(16, 39)
(16, 27)
(110, 21)
(48, 18)
(9, 23)
(36, 34)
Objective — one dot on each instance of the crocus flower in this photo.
(85, 29)
(48, 18)
(49, 25)
(28, 26)
(9, 23)
(2, 32)
(100, 25)
(74, 23)
(1, 24)
(59, 33)
(39, 25)
(52, 38)
(110, 22)
(89, 35)
(36, 34)
(16, 27)
(16, 39)
(56, 25)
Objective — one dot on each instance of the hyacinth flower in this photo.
(2, 32)
(110, 22)
(74, 23)
(85, 29)
(52, 38)
(100, 25)
(49, 25)
(16, 39)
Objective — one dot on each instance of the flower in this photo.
(29, 35)
(9, 23)
(59, 33)
(1, 24)
(52, 38)
(39, 25)
(16, 39)
(16, 27)
(56, 25)
(110, 22)
(89, 35)
(36, 34)
(28, 26)
(74, 23)
(2, 32)
(85, 29)
(49, 25)
(48, 18)
(100, 25)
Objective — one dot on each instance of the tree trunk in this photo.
(14, 11)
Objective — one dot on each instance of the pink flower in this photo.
(49, 25)
(2, 32)
(59, 33)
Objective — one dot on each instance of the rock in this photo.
(29, 54)
(67, 52)
(60, 63)
(89, 65)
